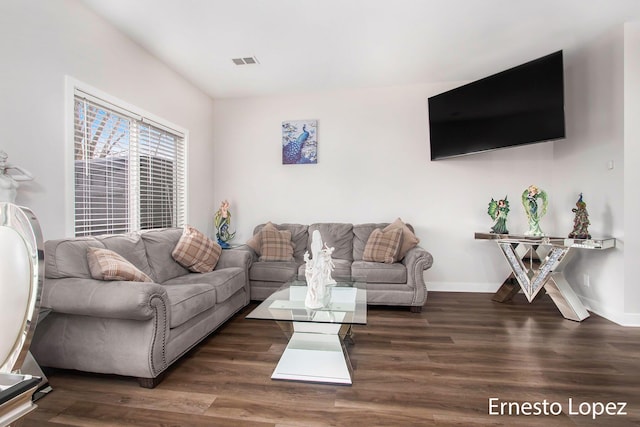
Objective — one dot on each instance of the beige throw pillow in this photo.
(275, 245)
(409, 240)
(254, 242)
(195, 251)
(106, 264)
(383, 246)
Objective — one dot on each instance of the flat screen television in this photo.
(522, 105)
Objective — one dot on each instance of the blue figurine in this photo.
(221, 221)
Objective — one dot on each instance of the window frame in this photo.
(71, 86)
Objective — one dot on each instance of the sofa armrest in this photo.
(246, 248)
(417, 260)
(237, 258)
(234, 258)
(109, 299)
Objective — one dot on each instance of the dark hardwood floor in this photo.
(439, 367)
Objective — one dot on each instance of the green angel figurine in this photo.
(498, 211)
(534, 212)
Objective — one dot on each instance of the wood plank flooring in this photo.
(435, 368)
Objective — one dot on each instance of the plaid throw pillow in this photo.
(105, 264)
(409, 240)
(275, 245)
(255, 242)
(196, 252)
(383, 246)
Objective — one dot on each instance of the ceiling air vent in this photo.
(245, 61)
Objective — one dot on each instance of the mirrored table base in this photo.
(316, 352)
(31, 367)
(16, 391)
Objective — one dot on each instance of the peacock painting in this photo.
(299, 142)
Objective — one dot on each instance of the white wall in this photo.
(594, 105)
(373, 166)
(373, 150)
(631, 169)
(602, 105)
(41, 41)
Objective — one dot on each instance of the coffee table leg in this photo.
(316, 353)
(348, 335)
(314, 358)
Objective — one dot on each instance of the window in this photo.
(129, 170)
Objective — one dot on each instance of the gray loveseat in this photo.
(133, 328)
(395, 284)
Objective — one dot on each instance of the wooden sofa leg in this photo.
(416, 308)
(151, 382)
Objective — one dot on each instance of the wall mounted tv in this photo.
(522, 105)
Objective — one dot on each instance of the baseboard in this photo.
(622, 319)
(461, 287)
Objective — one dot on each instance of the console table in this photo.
(537, 263)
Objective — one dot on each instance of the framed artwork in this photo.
(299, 142)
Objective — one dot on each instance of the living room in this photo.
(373, 156)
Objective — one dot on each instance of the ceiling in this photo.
(318, 45)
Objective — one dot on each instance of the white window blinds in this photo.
(129, 171)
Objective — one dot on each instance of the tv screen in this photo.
(521, 105)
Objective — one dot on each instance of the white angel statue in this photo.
(318, 273)
(9, 177)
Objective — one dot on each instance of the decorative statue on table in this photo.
(534, 212)
(9, 177)
(222, 221)
(580, 221)
(498, 211)
(318, 273)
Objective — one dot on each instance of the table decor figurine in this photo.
(498, 211)
(9, 177)
(580, 221)
(222, 221)
(318, 273)
(534, 212)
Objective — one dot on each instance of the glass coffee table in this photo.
(316, 351)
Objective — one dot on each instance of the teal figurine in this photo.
(222, 221)
(498, 211)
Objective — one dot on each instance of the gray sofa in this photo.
(133, 328)
(397, 284)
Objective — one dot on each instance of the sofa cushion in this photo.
(159, 244)
(226, 281)
(68, 257)
(106, 264)
(188, 300)
(361, 233)
(376, 272)
(299, 237)
(383, 246)
(409, 240)
(341, 271)
(130, 246)
(196, 251)
(275, 245)
(270, 271)
(338, 236)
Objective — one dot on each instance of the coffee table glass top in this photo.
(348, 304)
